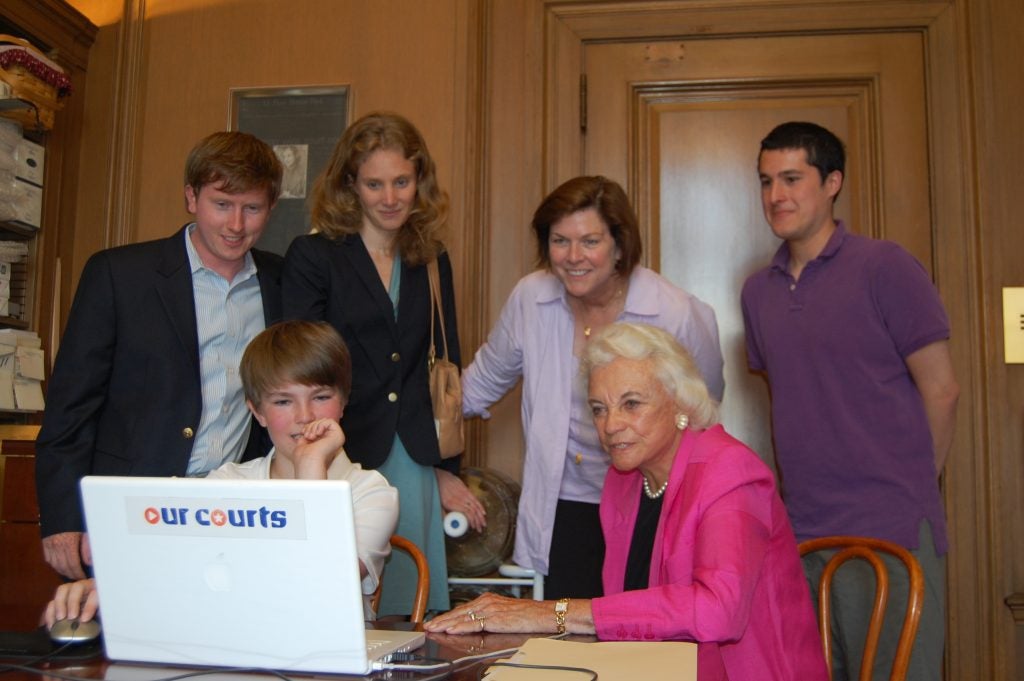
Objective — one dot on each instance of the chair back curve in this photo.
(868, 549)
(419, 601)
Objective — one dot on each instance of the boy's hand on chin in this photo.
(320, 442)
(323, 431)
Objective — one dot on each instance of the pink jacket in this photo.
(724, 572)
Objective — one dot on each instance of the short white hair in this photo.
(672, 364)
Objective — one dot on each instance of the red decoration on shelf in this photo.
(37, 68)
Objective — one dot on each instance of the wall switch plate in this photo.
(1013, 324)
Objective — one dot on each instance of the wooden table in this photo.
(441, 646)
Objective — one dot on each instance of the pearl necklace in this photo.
(653, 495)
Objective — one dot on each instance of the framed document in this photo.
(302, 124)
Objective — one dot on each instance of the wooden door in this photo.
(679, 124)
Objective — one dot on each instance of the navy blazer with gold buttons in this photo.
(335, 280)
(125, 396)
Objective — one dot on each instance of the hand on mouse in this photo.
(74, 600)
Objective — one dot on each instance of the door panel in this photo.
(679, 124)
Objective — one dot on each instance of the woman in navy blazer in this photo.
(379, 216)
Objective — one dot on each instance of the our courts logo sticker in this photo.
(171, 517)
(217, 517)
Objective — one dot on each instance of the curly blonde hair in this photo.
(336, 209)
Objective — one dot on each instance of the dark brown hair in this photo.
(608, 199)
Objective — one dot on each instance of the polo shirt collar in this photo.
(781, 260)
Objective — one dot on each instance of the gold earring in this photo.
(682, 420)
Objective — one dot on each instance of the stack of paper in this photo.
(21, 370)
(651, 661)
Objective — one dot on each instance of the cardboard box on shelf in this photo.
(30, 162)
(8, 159)
(8, 193)
(10, 134)
(28, 204)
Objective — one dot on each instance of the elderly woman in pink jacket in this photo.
(699, 546)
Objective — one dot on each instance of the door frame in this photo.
(975, 638)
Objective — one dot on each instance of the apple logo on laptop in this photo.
(217, 575)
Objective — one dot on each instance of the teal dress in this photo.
(419, 518)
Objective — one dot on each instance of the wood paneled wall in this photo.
(993, 30)
(174, 62)
(471, 74)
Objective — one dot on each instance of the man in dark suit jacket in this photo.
(146, 380)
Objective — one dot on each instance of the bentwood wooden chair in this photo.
(419, 601)
(848, 548)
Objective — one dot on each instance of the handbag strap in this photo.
(434, 277)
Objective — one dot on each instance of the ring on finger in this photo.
(472, 615)
(481, 621)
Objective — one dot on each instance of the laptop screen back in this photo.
(227, 572)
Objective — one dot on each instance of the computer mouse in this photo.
(73, 631)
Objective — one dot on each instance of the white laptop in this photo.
(237, 573)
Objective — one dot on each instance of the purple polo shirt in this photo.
(851, 436)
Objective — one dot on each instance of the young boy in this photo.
(296, 376)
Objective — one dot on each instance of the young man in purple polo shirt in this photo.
(853, 339)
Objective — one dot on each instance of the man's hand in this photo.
(65, 552)
(74, 600)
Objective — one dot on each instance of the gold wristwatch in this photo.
(561, 607)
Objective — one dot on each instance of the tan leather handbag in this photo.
(445, 384)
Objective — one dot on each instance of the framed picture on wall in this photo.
(302, 124)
